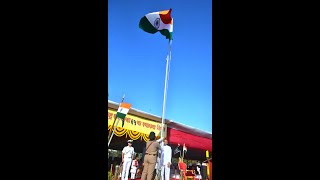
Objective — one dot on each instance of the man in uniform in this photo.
(150, 158)
(127, 156)
(158, 159)
(165, 162)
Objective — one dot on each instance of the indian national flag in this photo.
(158, 21)
(184, 148)
(123, 110)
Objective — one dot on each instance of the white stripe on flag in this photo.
(123, 110)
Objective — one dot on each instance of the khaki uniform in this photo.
(150, 160)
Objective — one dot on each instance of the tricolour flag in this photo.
(184, 148)
(123, 111)
(158, 21)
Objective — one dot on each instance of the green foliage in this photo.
(110, 175)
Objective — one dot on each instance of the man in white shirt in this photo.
(165, 162)
(127, 156)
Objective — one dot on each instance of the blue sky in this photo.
(136, 60)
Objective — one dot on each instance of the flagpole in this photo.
(113, 128)
(165, 89)
(164, 100)
(183, 151)
(115, 118)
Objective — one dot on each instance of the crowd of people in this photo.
(154, 157)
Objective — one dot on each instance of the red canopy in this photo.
(191, 141)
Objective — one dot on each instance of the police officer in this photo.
(150, 158)
(158, 159)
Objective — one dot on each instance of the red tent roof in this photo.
(191, 140)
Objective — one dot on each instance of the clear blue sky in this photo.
(136, 60)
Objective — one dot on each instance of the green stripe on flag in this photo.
(147, 26)
(120, 115)
(166, 33)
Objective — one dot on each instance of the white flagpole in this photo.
(165, 89)
(168, 59)
(117, 119)
(114, 127)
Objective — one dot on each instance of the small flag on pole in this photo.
(158, 21)
(184, 148)
(123, 111)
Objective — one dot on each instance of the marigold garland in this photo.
(134, 135)
(120, 131)
(145, 137)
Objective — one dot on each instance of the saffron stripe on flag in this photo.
(158, 21)
(125, 105)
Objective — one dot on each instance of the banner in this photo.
(135, 124)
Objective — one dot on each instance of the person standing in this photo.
(158, 159)
(198, 167)
(183, 168)
(134, 167)
(150, 158)
(157, 167)
(127, 156)
(166, 155)
(144, 150)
